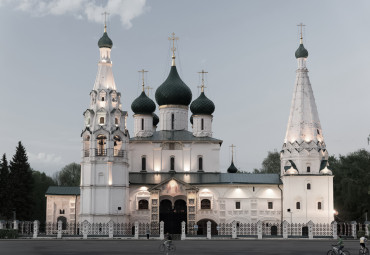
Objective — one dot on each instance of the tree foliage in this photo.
(20, 179)
(69, 175)
(351, 184)
(270, 165)
(4, 188)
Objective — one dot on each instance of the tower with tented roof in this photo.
(308, 182)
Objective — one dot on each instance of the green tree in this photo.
(69, 175)
(41, 183)
(4, 189)
(270, 165)
(351, 184)
(20, 179)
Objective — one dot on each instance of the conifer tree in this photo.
(21, 184)
(4, 189)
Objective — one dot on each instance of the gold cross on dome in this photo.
(232, 151)
(148, 89)
(105, 20)
(301, 25)
(142, 71)
(202, 85)
(173, 39)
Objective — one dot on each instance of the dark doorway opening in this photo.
(305, 231)
(274, 230)
(172, 216)
(202, 227)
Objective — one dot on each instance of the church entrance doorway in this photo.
(202, 227)
(172, 216)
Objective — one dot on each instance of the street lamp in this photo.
(291, 220)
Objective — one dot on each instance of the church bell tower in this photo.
(104, 167)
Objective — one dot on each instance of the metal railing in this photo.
(100, 152)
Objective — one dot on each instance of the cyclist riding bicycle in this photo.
(340, 244)
(168, 240)
(362, 242)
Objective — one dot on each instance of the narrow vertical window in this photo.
(142, 124)
(237, 205)
(270, 205)
(172, 121)
(298, 205)
(200, 163)
(143, 163)
(308, 185)
(308, 169)
(319, 205)
(102, 99)
(172, 164)
(202, 124)
(101, 121)
(116, 121)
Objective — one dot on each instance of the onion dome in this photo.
(202, 105)
(105, 41)
(191, 119)
(155, 119)
(232, 168)
(301, 52)
(173, 90)
(143, 105)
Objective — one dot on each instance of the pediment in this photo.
(173, 187)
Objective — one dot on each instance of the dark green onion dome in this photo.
(191, 119)
(105, 41)
(232, 169)
(173, 90)
(202, 105)
(155, 119)
(301, 52)
(143, 105)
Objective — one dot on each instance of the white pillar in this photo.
(233, 230)
(183, 235)
(367, 228)
(259, 229)
(35, 228)
(59, 236)
(161, 230)
(2, 223)
(335, 230)
(85, 229)
(209, 230)
(285, 229)
(310, 229)
(136, 230)
(15, 224)
(110, 226)
(354, 223)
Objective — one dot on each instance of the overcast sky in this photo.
(49, 57)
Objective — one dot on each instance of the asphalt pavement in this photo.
(190, 247)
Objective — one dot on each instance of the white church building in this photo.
(166, 172)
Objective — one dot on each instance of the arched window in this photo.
(101, 143)
(172, 163)
(143, 163)
(298, 205)
(172, 121)
(64, 222)
(202, 124)
(142, 124)
(319, 206)
(205, 204)
(200, 163)
(308, 186)
(143, 204)
(116, 121)
(102, 99)
(101, 120)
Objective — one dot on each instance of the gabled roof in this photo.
(175, 136)
(188, 186)
(204, 178)
(63, 190)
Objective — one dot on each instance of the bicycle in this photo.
(167, 248)
(363, 251)
(335, 251)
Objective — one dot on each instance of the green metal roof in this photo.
(173, 90)
(202, 105)
(143, 105)
(232, 168)
(204, 178)
(155, 119)
(63, 190)
(301, 52)
(105, 41)
(178, 136)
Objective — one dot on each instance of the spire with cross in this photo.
(148, 88)
(202, 85)
(105, 20)
(142, 71)
(173, 39)
(301, 25)
(232, 152)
